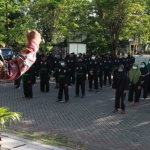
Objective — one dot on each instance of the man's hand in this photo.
(115, 90)
(5, 61)
(66, 85)
(124, 92)
(139, 87)
(29, 81)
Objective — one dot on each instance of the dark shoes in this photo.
(123, 111)
(27, 97)
(60, 100)
(115, 110)
(78, 96)
(17, 87)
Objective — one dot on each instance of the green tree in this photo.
(14, 21)
(116, 17)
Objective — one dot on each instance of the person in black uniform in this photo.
(50, 58)
(110, 56)
(18, 82)
(80, 77)
(117, 62)
(107, 69)
(56, 66)
(71, 66)
(128, 63)
(123, 61)
(45, 71)
(38, 60)
(27, 83)
(93, 73)
(63, 80)
(103, 56)
(132, 60)
(101, 69)
(67, 57)
(86, 61)
(34, 67)
(144, 80)
(120, 86)
(148, 83)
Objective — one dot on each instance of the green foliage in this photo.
(7, 117)
(104, 21)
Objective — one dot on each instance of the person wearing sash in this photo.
(63, 81)
(27, 83)
(45, 72)
(80, 78)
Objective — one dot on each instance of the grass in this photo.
(55, 140)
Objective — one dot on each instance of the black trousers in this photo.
(107, 74)
(56, 77)
(71, 76)
(100, 76)
(87, 72)
(18, 81)
(95, 78)
(133, 90)
(34, 78)
(80, 81)
(44, 82)
(27, 87)
(120, 96)
(37, 73)
(144, 87)
(60, 92)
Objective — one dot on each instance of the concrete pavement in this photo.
(10, 142)
(89, 120)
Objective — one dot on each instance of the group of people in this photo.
(137, 80)
(75, 69)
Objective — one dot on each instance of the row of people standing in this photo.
(94, 66)
(104, 65)
(138, 80)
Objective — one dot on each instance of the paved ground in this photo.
(10, 142)
(89, 120)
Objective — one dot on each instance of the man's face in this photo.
(43, 58)
(99, 57)
(71, 55)
(79, 60)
